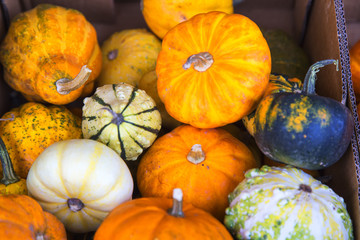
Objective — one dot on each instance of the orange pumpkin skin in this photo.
(213, 69)
(22, 217)
(147, 219)
(32, 127)
(45, 44)
(206, 184)
(355, 68)
(173, 13)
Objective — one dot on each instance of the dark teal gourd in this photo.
(303, 129)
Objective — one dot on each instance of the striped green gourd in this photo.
(278, 203)
(122, 117)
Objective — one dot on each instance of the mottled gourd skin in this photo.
(32, 127)
(277, 83)
(127, 56)
(23, 218)
(122, 117)
(173, 13)
(45, 44)
(276, 203)
(213, 69)
(307, 131)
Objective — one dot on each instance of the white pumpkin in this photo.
(276, 203)
(79, 181)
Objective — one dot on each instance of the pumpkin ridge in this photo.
(135, 141)
(149, 129)
(145, 111)
(131, 99)
(101, 101)
(122, 147)
(97, 135)
(60, 195)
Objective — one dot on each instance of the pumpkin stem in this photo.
(9, 175)
(202, 61)
(310, 78)
(305, 188)
(65, 86)
(112, 54)
(75, 204)
(196, 154)
(176, 209)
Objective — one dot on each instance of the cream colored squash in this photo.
(79, 181)
(123, 117)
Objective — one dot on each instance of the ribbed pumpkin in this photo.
(286, 203)
(23, 218)
(303, 129)
(127, 56)
(160, 218)
(277, 83)
(80, 181)
(123, 117)
(213, 69)
(148, 83)
(30, 128)
(162, 15)
(206, 164)
(10, 182)
(51, 54)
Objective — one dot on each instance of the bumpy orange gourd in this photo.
(51, 54)
(213, 69)
(22, 217)
(162, 15)
(160, 218)
(206, 164)
(30, 128)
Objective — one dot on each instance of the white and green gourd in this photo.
(123, 117)
(278, 203)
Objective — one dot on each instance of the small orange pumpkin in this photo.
(160, 218)
(207, 164)
(22, 217)
(51, 54)
(213, 69)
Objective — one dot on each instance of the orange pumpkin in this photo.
(160, 218)
(51, 54)
(355, 68)
(213, 69)
(207, 164)
(30, 128)
(22, 217)
(175, 12)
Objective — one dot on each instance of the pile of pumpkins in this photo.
(173, 131)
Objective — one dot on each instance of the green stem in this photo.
(310, 78)
(9, 175)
